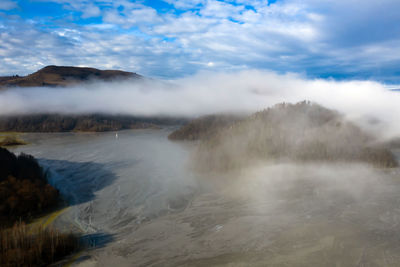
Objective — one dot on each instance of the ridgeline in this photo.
(62, 76)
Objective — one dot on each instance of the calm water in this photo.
(138, 195)
(112, 180)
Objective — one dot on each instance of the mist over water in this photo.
(114, 181)
(369, 103)
(142, 188)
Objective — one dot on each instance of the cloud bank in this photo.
(366, 102)
(175, 38)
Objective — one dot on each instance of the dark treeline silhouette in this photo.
(24, 194)
(24, 190)
(84, 123)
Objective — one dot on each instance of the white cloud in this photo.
(91, 11)
(211, 92)
(321, 38)
(218, 9)
(132, 17)
(185, 4)
(8, 5)
(186, 23)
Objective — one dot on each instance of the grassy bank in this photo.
(19, 246)
(10, 139)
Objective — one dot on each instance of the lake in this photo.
(138, 200)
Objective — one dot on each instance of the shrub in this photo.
(21, 247)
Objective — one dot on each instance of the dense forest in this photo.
(24, 190)
(204, 127)
(83, 123)
(298, 132)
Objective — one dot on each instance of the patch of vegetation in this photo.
(300, 132)
(203, 127)
(81, 123)
(11, 140)
(24, 191)
(24, 194)
(21, 247)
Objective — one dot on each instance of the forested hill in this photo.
(299, 132)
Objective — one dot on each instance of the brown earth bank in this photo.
(63, 75)
(302, 132)
(81, 123)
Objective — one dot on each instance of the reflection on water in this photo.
(137, 189)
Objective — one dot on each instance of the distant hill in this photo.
(62, 76)
(54, 76)
(297, 132)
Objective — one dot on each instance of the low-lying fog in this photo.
(153, 209)
(140, 197)
(205, 93)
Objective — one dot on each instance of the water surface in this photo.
(140, 190)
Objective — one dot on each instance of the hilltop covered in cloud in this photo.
(176, 38)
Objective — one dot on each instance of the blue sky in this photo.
(176, 38)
